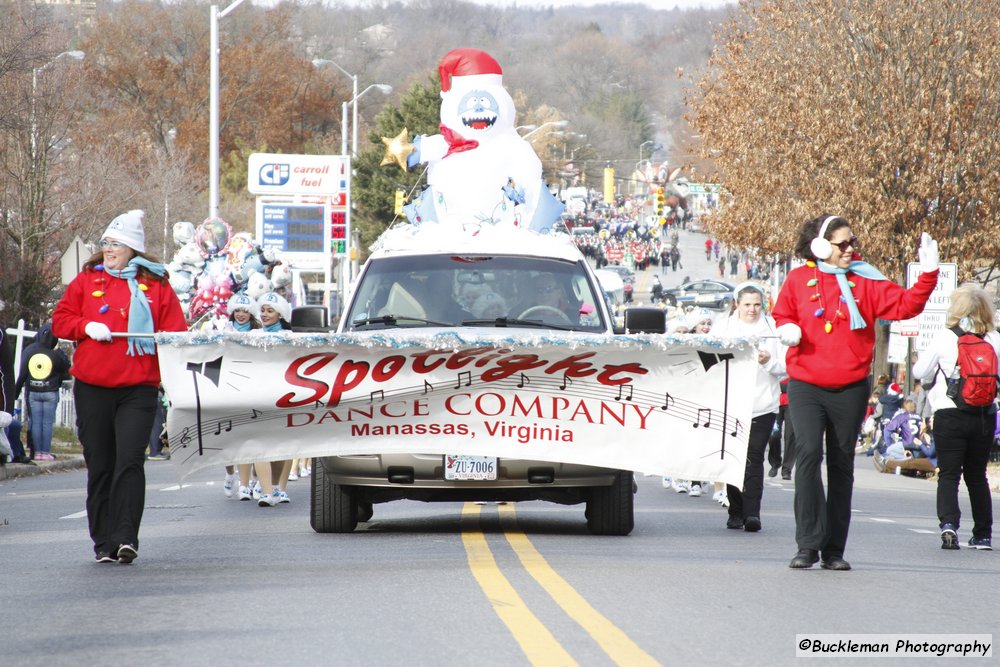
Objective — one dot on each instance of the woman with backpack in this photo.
(959, 372)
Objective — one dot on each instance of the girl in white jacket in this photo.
(749, 318)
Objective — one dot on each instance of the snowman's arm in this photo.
(426, 148)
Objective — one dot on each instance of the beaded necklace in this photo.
(818, 296)
(102, 292)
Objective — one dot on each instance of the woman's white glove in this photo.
(790, 334)
(927, 253)
(5, 419)
(98, 331)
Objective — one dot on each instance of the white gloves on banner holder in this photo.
(790, 334)
(927, 253)
(5, 419)
(98, 331)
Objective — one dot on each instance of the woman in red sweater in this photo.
(120, 290)
(826, 313)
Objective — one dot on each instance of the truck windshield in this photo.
(476, 290)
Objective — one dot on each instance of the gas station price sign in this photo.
(338, 232)
(293, 228)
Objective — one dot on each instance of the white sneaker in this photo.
(266, 500)
(680, 486)
(228, 486)
(283, 497)
(245, 493)
(718, 496)
(695, 490)
(304, 472)
(667, 482)
(292, 477)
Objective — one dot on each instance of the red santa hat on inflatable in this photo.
(469, 68)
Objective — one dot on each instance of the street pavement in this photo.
(221, 582)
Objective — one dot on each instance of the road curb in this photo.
(15, 470)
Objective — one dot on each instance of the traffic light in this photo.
(609, 185)
(660, 202)
(400, 198)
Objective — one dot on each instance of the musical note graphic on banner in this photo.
(255, 413)
(667, 400)
(524, 381)
(620, 389)
(218, 426)
(468, 379)
(381, 396)
(427, 387)
(708, 420)
(566, 381)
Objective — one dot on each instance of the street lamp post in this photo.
(213, 111)
(551, 123)
(323, 62)
(641, 146)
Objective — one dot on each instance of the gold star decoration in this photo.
(397, 149)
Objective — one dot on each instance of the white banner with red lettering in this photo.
(653, 404)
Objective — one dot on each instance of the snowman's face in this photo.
(477, 114)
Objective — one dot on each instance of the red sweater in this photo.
(108, 364)
(842, 356)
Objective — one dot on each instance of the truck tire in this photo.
(610, 508)
(333, 509)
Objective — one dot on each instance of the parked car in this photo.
(626, 274)
(704, 293)
(444, 283)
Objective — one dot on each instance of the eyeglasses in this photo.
(849, 243)
(111, 245)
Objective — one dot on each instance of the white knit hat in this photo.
(277, 302)
(127, 229)
(241, 301)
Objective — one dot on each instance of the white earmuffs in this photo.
(819, 246)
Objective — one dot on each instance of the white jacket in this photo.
(767, 389)
(943, 352)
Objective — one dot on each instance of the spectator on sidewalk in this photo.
(44, 367)
(7, 395)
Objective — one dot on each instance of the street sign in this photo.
(72, 260)
(929, 322)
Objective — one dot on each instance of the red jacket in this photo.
(107, 364)
(842, 356)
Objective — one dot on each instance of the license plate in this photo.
(704, 298)
(464, 467)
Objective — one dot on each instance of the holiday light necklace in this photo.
(101, 293)
(818, 296)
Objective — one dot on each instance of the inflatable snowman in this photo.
(479, 169)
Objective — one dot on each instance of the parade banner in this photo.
(649, 403)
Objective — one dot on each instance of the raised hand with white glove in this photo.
(790, 334)
(928, 253)
(98, 331)
(5, 419)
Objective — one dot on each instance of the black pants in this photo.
(747, 503)
(832, 416)
(963, 442)
(788, 459)
(774, 440)
(114, 426)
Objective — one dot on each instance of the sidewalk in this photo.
(64, 462)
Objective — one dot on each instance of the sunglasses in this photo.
(111, 245)
(849, 243)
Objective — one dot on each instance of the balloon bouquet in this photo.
(211, 263)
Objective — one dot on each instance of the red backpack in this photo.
(976, 385)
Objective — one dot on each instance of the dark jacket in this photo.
(6, 372)
(43, 367)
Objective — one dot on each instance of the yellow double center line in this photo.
(537, 642)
